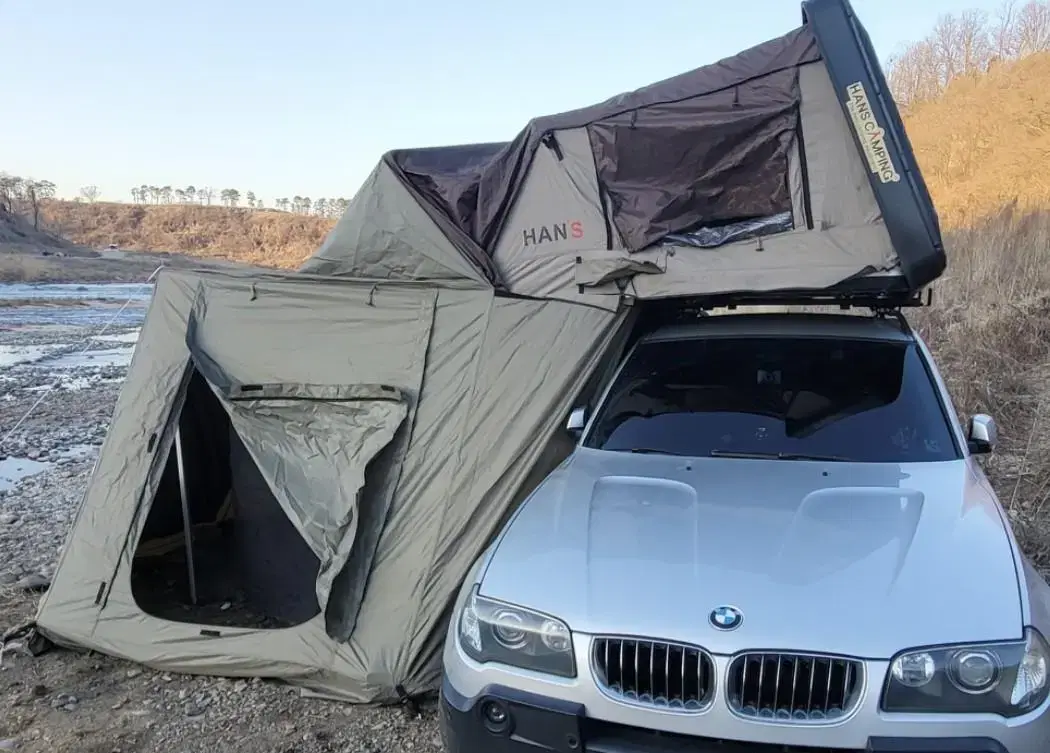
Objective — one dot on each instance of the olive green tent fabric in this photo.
(386, 234)
(464, 387)
(313, 455)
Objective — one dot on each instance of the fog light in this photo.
(496, 716)
(914, 670)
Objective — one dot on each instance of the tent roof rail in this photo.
(884, 303)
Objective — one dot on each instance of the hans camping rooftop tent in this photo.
(782, 169)
(338, 445)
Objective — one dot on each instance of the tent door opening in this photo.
(250, 566)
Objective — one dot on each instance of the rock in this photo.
(192, 710)
(34, 582)
(9, 744)
(8, 518)
(64, 701)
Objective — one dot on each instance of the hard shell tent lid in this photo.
(783, 168)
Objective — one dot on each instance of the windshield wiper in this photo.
(652, 451)
(777, 456)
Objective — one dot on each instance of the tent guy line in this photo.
(87, 344)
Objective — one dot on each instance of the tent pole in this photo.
(187, 526)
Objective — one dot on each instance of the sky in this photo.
(286, 98)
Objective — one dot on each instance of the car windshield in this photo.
(791, 398)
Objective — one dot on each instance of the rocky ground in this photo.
(63, 701)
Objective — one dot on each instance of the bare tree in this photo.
(37, 191)
(10, 192)
(966, 44)
(206, 194)
(90, 194)
(1002, 34)
(1032, 31)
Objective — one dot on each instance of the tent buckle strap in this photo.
(410, 704)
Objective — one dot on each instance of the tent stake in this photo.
(187, 526)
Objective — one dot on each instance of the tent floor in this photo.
(160, 585)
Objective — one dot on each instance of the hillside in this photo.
(17, 232)
(265, 237)
(985, 141)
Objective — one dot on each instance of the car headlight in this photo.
(491, 631)
(1008, 679)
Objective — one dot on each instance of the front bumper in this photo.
(535, 724)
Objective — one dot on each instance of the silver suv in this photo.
(772, 536)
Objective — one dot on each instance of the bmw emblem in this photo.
(725, 618)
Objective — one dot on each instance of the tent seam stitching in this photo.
(478, 358)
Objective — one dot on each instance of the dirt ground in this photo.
(65, 701)
(89, 703)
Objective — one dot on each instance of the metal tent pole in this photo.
(187, 525)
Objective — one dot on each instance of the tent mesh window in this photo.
(251, 568)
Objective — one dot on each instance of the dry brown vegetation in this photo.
(265, 237)
(985, 141)
(989, 328)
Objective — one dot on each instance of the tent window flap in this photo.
(267, 460)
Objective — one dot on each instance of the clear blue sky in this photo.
(286, 98)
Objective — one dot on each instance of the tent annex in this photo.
(339, 444)
(327, 435)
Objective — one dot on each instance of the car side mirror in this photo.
(577, 420)
(982, 435)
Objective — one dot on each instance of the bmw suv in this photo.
(772, 535)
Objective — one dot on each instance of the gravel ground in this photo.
(64, 701)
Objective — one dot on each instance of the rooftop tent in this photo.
(783, 168)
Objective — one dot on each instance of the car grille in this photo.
(794, 687)
(654, 673)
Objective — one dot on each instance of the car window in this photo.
(855, 400)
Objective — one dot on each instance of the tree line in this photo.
(20, 195)
(967, 44)
(228, 197)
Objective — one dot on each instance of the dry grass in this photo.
(264, 237)
(989, 328)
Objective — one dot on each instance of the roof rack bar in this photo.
(842, 300)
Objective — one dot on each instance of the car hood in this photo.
(854, 558)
